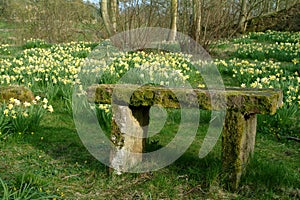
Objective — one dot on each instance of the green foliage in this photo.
(280, 46)
(59, 164)
(171, 47)
(54, 153)
(35, 43)
(104, 115)
(274, 36)
(4, 49)
(285, 122)
(22, 117)
(25, 190)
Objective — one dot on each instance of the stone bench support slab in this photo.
(129, 130)
(131, 117)
(238, 139)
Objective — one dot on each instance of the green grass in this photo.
(55, 163)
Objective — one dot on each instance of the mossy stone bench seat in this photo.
(239, 129)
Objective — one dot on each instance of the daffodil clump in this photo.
(4, 49)
(271, 64)
(22, 117)
(52, 70)
(275, 36)
(35, 43)
(48, 71)
(163, 68)
(280, 46)
(278, 51)
(265, 74)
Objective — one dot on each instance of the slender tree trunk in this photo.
(114, 12)
(198, 21)
(173, 26)
(277, 5)
(150, 13)
(109, 10)
(185, 17)
(105, 16)
(243, 14)
(268, 6)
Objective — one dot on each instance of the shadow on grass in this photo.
(58, 138)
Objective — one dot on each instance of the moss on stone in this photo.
(247, 101)
(238, 140)
(118, 139)
(15, 91)
(231, 147)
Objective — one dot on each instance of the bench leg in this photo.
(238, 139)
(129, 128)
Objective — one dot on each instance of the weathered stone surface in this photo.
(238, 139)
(129, 128)
(259, 101)
(15, 91)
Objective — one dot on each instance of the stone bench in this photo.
(239, 130)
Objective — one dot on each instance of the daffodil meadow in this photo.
(269, 60)
(44, 124)
(163, 68)
(49, 72)
(259, 60)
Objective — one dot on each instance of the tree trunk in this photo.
(196, 22)
(173, 26)
(105, 17)
(243, 14)
(150, 13)
(114, 11)
(277, 5)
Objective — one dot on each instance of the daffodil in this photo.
(5, 112)
(50, 109)
(45, 101)
(10, 106)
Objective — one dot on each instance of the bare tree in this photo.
(104, 5)
(173, 26)
(114, 13)
(277, 5)
(197, 10)
(243, 16)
